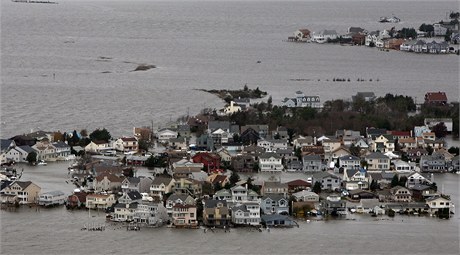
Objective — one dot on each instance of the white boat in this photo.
(389, 19)
(42, 163)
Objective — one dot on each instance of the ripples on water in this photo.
(194, 45)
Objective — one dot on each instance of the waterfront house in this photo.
(107, 182)
(99, 201)
(418, 178)
(433, 163)
(124, 212)
(270, 162)
(334, 206)
(377, 161)
(393, 43)
(371, 38)
(126, 144)
(97, 146)
(439, 205)
(240, 194)
(216, 213)
(436, 98)
(327, 180)
(21, 192)
(210, 161)
(324, 36)
(161, 186)
(52, 198)
(302, 35)
(274, 204)
(130, 197)
(276, 220)
(62, 150)
(403, 167)
(5, 146)
(369, 206)
(420, 192)
(150, 213)
(175, 199)
(306, 196)
(300, 100)
(76, 200)
(45, 151)
(274, 188)
(311, 163)
(165, 134)
(184, 216)
(246, 214)
(298, 185)
(400, 194)
(18, 154)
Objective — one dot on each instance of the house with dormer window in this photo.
(274, 204)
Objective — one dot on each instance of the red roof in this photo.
(436, 97)
(401, 133)
(298, 182)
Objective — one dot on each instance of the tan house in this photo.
(161, 186)
(184, 216)
(107, 182)
(20, 192)
(400, 194)
(216, 213)
(45, 151)
(99, 201)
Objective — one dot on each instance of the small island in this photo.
(229, 95)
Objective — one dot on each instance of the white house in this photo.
(165, 134)
(97, 146)
(52, 198)
(45, 151)
(270, 162)
(126, 144)
(272, 145)
(19, 153)
(437, 204)
(246, 214)
(232, 108)
(324, 35)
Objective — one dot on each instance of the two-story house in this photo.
(126, 144)
(356, 179)
(400, 194)
(274, 204)
(184, 216)
(21, 192)
(377, 161)
(311, 163)
(100, 201)
(216, 213)
(270, 162)
(161, 186)
(175, 199)
(246, 214)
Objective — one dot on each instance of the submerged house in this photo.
(52, 198)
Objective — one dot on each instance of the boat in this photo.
(41, 163)
(389, 19)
